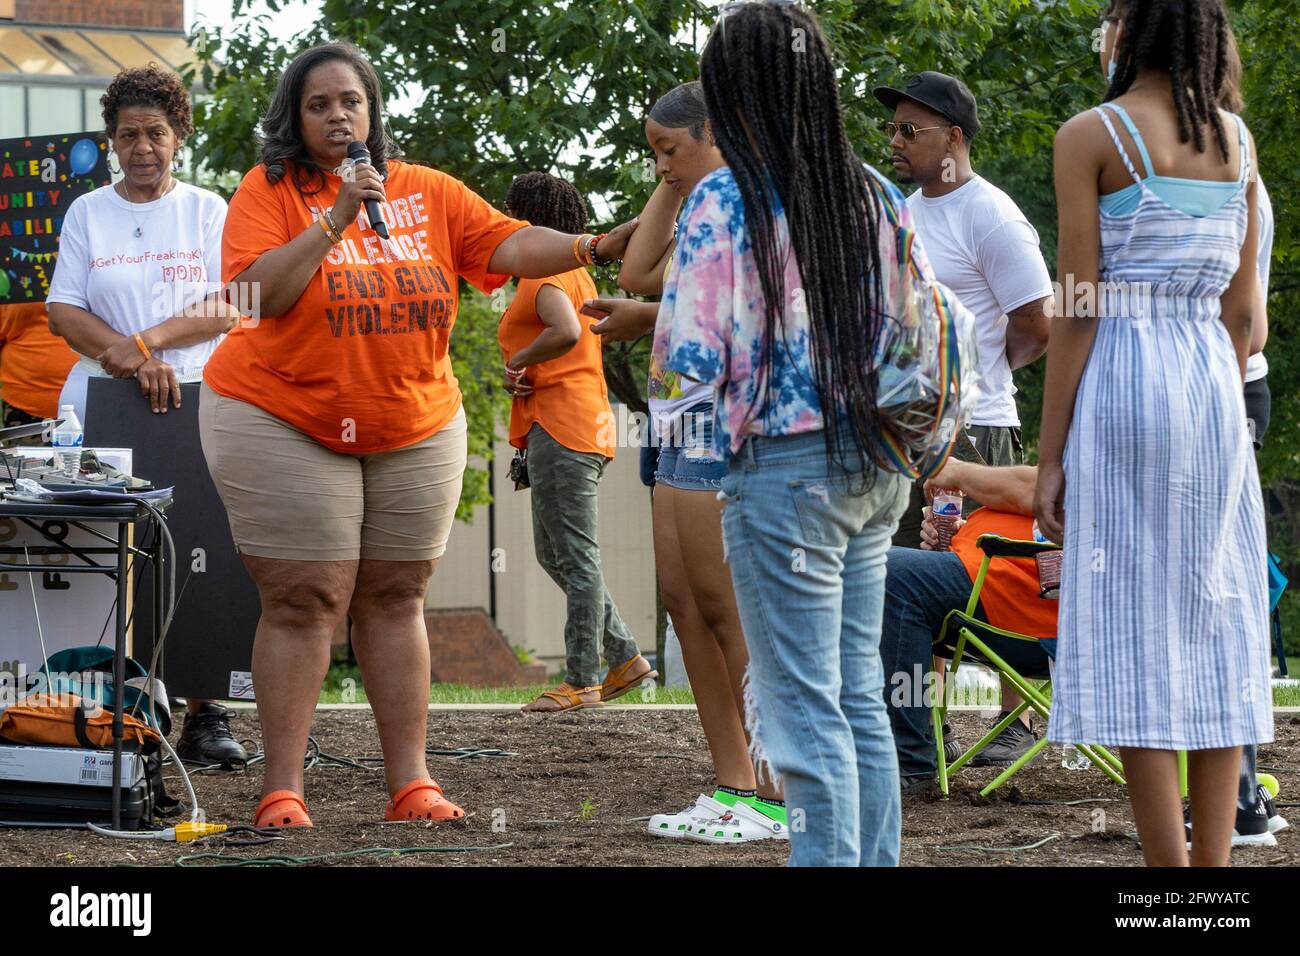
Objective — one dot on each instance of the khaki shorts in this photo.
(289, 497)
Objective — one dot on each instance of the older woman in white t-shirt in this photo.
(137, 288)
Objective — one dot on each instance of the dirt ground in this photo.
(579, 782)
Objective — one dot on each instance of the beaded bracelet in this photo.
(596, 258)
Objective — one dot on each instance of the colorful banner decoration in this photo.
(40, 176)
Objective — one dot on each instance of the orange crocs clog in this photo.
(422, 800)
(282, 808)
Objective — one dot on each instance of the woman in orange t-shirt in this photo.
(561, 414)
(330, 418)
(33, 364)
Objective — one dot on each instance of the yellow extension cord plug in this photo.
(185, 832)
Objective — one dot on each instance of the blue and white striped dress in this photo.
(1163, 618)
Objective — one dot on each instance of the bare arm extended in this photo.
(1078, 163)
(652, 246)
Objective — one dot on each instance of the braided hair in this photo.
(1189, 39)
(546, 200)
(1230, 97)
(774, 109)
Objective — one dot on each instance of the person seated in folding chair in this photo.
(922, 586)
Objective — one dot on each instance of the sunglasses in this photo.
(909, 130)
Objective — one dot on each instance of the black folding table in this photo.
(45, 520)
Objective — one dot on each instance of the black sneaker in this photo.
(952, 748)
(1276, 822)
(915, 783)
(206, 739)
(1006, 747)
(1252, 827)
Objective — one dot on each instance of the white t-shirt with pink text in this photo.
(134, 282)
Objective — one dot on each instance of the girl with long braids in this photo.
(785, 264)
(693, 577)
(1145, 467)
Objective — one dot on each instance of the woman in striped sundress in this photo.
(1163, 633)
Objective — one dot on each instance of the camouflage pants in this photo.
(564, 484)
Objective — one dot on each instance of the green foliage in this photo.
(476, 360)
(1271, 85)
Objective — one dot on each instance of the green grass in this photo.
(991, 697)
(337, 690)
(1289, 696)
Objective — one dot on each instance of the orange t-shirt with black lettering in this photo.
(569, 397)
(34, 362)
(1010, 596)
(360, 361)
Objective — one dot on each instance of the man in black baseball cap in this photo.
(935, 119)
(983, 248)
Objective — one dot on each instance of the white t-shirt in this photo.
(1257, 365)
(983, 248)
(135, 283)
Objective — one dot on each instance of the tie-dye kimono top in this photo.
(710, 324)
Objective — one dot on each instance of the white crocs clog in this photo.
(676, 825)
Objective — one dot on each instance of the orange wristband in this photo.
(144, 349)
(331, 235)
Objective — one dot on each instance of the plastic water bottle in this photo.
(945, 512)
(1072, 758)
(67, 442)
(1049, 568)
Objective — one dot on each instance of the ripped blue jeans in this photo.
(807, 559)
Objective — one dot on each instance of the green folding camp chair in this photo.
(964, 639)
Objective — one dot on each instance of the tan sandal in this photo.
(618, 682)
(567, 697)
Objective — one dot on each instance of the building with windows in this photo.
(57, 57)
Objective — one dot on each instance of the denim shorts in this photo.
(687, 460)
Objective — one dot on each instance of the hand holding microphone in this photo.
(366, 186)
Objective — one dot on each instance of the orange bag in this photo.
(63, 720)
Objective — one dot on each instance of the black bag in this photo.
(519, 470)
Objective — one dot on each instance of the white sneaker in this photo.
(675, 825)
(740, 823)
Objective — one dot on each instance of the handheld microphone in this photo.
(358, 153)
